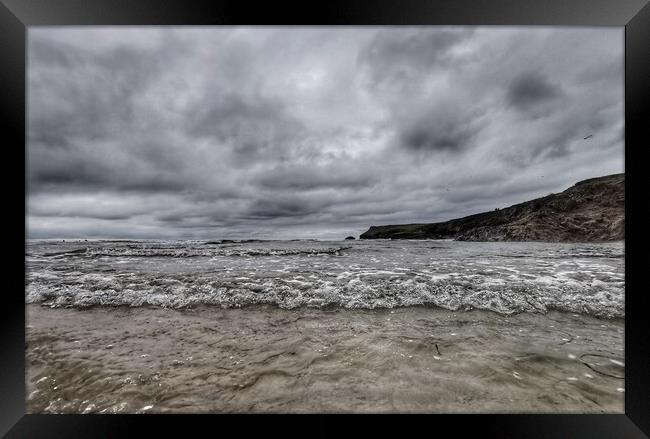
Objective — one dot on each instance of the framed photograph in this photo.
(427, 208)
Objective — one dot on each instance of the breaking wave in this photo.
(505, 278)
(95, 289)
(175, 252)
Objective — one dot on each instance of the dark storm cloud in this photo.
(145, 169)
(340, 176)
(309, 132)
(530, 89)
(227, 115)
(287, 207)
(399, 56)
(401, 64)
(252, 126)
(84, 114)
(446, 129)
(87, 93)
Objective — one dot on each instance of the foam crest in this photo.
(505, 278)
(354, 293)
(175, 252)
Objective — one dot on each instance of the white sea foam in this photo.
(504, 277)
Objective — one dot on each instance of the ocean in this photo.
(337, 326)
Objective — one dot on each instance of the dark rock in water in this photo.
(592, 210)
(350, 238)
(233, 241)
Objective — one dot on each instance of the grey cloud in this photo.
(88, 93)
(231, 116)
(305, 178)
(398, 56)
(530, 89)
(402, 66)
(441, 131)
(47, 167)
(563, 134)
(86, 127)
(95, 167)
(253, 127)
(75, 211)
(309, 132)
(284, 206)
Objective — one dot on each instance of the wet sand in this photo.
(266, 359)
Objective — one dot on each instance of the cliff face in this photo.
(591, 210)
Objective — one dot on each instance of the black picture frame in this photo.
(17, 15)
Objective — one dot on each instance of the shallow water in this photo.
(265, 359)
(301, 326)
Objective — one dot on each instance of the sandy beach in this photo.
(266, 359)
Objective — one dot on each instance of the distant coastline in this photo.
(592, 210)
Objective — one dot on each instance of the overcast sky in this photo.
(276, 132)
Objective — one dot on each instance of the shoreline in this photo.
(330, 307)
(267, 359)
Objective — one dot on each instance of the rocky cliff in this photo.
(590, 211)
